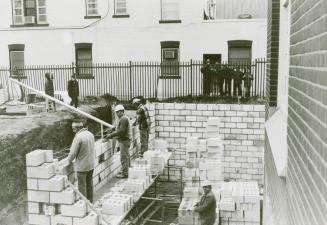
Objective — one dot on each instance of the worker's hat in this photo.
(206, 183)
(119, 108)
(136, 100)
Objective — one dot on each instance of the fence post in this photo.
(130, 80)
(191, 77)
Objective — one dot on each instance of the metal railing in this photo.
(153, 80)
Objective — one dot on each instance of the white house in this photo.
(53, 32)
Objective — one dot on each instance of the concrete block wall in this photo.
(242, 130)
(107, 162)
(306, 179)
(50, 199)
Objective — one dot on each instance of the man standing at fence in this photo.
(122, 132)
(73, 90)
(49, 90)
(82, 149)
(144, 122)
(207, 71)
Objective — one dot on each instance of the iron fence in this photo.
(153, 80)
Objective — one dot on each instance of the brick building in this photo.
(295, 149)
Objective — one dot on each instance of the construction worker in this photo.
(143, 120)
(207, 205)
(49, 90)
(122, 132)
(73, 90)
(82, 150)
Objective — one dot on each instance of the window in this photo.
(91, 7)
(83, 56)
(170, 11)
(170, 59)
(239, 52)
(209, 10)
(16, 58)
(29, 12)
(121, 8)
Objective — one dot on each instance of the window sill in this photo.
(276, 129)
(92, 17)
(170, 21)
(170, 77)
(30, 25)
(121, 16)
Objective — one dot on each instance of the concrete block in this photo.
(49, 209)
(56, 183)
(38, 196)
(252, 215)
(91, 219)
(76, 210)
(61, 220)
(66, 196)
(34, 207)
(35, 158)
(38, 219)
(45, 171)
(32, 184)
(227, 204)
(48, 156)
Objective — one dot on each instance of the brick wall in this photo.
(242, 132)
(272, 51)
(307, 131)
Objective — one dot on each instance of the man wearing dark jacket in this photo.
(207, 72)
(49, 90)
(143, 120)
(73, 91)
(207, 205)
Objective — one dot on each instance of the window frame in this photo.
(22, 7)
(170, 46)
(83, 47)
(120, 15)
(16, 48)
(92, 15)
(240, 44)
(169, 20)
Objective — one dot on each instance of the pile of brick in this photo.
(239, 203)
(204, 157)
(50, 199)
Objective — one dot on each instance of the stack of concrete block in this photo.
(139, 171)
(212, 128)
(240, 203)
(117, 204)
(50, 200)
(186, 213)
(158, 156)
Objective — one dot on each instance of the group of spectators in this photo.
(218, 78)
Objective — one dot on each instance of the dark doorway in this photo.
(213, 58)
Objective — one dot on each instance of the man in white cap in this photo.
(82, 150)
(143, 121)
(122, 132)
(207, 205)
